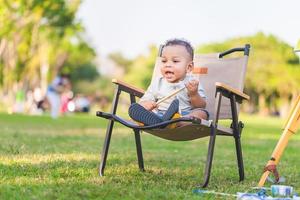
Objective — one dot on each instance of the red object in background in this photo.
(65, 99)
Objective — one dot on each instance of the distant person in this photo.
(54, 91)
(38, 101)
(176, 64)
(66, 99)
(82, 103)
(19, 105)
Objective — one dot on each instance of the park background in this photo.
(95, 41)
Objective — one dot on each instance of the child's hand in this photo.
(149, 105)
(192, 87)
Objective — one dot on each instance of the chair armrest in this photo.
(128, 88)
(228, 91)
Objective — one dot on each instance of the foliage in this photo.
(270, 63)
(85, 71)
(38, 40)
(140, 72)
(297, 48)
(120, 60)
(273, 68)
(101, 87)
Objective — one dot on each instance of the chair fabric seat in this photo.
(188, 132)
(191, 131)
(184, 133)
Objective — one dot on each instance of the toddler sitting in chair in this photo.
(176, 65)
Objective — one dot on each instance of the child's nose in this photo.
(168, 64)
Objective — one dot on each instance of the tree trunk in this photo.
(285, 107)
(44, 67)
(262, 108)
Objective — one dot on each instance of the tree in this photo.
(140, 71)
(273, 70)
(120, 60)
(37, 40)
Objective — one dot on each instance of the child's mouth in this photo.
(169, 74)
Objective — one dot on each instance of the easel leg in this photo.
(291, 127)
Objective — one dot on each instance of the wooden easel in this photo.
(291, 126)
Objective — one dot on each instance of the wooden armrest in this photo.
(129, 88)
(230, 90)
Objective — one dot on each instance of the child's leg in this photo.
(198, 113)
(140, 114)
(201, 114)
(172, 110)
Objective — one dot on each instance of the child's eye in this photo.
(163, 61)
(176, 61)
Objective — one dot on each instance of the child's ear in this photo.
(190, 66)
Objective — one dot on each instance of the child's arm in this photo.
(148, 100)
(196, 100)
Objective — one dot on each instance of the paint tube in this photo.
(281, 191)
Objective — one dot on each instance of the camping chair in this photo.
(220, 77)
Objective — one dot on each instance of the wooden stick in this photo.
(170, 95)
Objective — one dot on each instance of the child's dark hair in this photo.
(181, 42)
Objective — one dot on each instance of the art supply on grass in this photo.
(275, 192)
(281, 191)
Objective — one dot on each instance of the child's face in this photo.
(176, 63)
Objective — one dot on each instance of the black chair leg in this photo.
(237, 130)
(211, 146)
(108, 134)
(138, 141)
(209, 159)
(105, 148)
(239, 158)
(139, 149)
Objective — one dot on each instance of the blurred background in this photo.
(91, 42)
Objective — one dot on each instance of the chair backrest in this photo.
(209, 68)
(212, 69)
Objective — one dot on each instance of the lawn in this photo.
(41, 158)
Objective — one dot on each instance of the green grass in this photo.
(41, 158)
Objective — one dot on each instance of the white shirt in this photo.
(160, 88)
